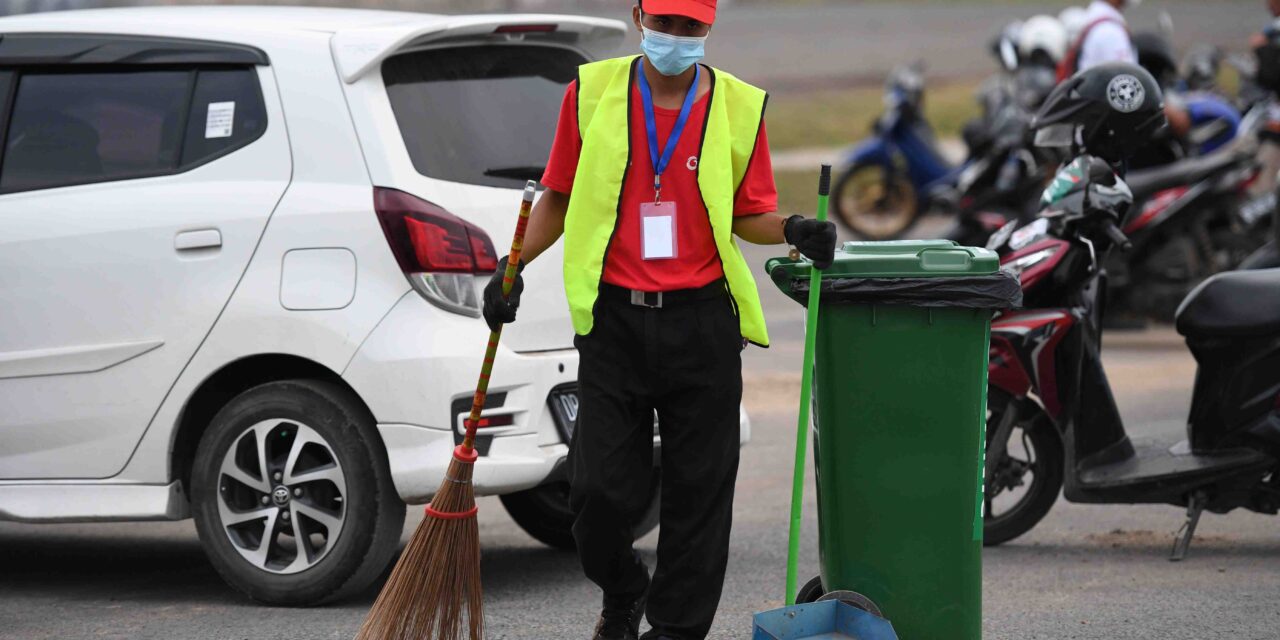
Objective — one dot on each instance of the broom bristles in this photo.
(434, 591)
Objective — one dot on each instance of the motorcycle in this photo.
(1052, 419)
(1006, 173)
(890, 179)
(1187, 224)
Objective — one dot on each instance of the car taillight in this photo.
(438, 252)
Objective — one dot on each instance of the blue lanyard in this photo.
(651, 127)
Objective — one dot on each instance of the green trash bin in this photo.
(899, 421)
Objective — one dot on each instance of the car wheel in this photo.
(543, 512)
(292, 494)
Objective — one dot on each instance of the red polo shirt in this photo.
(698, 262)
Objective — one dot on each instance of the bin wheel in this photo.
(811, 591)
(855, 599)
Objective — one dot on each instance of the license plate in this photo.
(564, 409)
(563, 403)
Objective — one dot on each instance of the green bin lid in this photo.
(901, 259)
(914, 273)
(911, 258)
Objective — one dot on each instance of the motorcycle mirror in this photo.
(1056, 135)
(1008, 55)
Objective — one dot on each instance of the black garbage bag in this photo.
(999, 290)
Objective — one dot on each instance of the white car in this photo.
(241, 251)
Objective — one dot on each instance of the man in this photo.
(658, 163)
(1104, 37)
(1266, 46)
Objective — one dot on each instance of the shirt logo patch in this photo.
(692, 163)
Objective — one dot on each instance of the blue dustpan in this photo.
(826, 620)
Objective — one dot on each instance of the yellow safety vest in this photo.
(729, 139)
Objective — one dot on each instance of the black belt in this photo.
(661, 299)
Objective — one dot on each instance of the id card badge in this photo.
(658, 230)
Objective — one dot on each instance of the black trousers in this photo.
(684, 360)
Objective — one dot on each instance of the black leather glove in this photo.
(816, 239)
(497, 310)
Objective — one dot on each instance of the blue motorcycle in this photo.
(890, 179)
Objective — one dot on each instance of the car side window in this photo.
(6, 89)
(69, 127)
(74, 128)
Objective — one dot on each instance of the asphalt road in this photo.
(1085, 572)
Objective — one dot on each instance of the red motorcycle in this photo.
(1052, 420)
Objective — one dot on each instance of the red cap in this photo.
(701, 10)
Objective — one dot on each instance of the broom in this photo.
(436, 582)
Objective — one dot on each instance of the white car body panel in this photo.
(89, 267)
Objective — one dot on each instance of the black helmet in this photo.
(1110, 110)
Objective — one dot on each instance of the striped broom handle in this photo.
(508, 279)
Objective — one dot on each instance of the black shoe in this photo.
(620, 619)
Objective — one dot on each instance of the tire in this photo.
(543, 512)
(861, 201)
(334, 477)
(811, 591)
(1045, 461)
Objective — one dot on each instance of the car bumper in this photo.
(417, 371)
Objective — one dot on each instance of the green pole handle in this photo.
(806, 384)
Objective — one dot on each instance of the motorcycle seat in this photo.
(1146, 182)
(1236, 304)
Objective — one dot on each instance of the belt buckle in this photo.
(639, 299)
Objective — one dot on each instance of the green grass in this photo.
(839, 117)
(1229, 80)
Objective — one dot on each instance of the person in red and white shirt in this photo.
(1106, 34)
(697, 263)
(666, 334)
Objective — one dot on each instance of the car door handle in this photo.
(200, 239)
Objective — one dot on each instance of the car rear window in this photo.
(483, 115)
(68, 128)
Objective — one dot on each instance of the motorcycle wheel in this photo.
(874, 205)
(1014, 504)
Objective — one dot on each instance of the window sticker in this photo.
(221, 118)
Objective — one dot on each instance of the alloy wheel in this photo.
(281, 496)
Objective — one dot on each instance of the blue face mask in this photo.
(671, 55)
